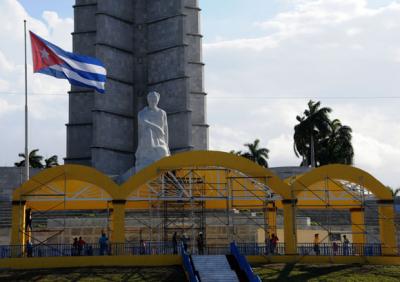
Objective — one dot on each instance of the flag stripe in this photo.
(88, 75)
(61, 75)
(79, 58)
(87, 67)
(71, 74)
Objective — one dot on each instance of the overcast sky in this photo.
(264, 60)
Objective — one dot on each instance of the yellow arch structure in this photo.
(72, 172)
(343, 172)
(198, 159)
(43, 183)
(364, 179)
(226, 160)
(202, 159)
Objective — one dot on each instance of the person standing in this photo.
(346, 243)
(335, 248)
(142, 247)
(185, 242)
(200, 243)
(29, 249)
(273, 243)
(316, 244)
(28, 220)
(75, 247)
(81, 245)
(103, 242)
(175, 243)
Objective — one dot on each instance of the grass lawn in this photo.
(337, 273)
(156, 274)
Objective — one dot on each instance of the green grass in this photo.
(269, 272)
(336, 273)
(156, 274)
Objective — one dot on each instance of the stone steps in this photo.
(214, 269)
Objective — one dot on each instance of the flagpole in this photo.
(26, 113)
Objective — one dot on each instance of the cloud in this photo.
(319, 48)
(47, 113)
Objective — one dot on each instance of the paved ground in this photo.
(336, 273)
(156, 274)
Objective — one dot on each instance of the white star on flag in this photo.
(44, 54)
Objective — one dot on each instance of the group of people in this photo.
(335, 246)
(185, 241)
(78, 246)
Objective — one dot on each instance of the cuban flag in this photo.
(80, 70)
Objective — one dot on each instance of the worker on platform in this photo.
(316, 244)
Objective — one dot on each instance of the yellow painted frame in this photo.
(193, 159)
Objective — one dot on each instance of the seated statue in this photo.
(152, 132)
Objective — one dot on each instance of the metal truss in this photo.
(178, 201)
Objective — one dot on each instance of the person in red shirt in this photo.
(81, 245)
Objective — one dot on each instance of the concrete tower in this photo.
(146, 45)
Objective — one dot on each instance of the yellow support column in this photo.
(18, 227)
(289, 226)
(271, 218)
(387, 227)
(118, 221)
(357, 225)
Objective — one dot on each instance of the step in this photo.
(214, 268)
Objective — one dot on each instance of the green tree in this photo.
(312, 126)
(35, 160)
(51, 162)
(254, 153)
(395, 192)
(337, 147)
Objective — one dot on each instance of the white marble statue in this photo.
(153, 133)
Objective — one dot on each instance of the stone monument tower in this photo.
(146, 45)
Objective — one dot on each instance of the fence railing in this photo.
(339, 249)
(168, 248)
(188, 265)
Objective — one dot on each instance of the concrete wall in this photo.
(146, 45)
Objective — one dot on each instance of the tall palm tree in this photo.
(256, 153)
(35, 160)
(337, 147)
(51, 162)
(313, 124)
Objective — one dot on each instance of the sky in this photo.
(264, 59)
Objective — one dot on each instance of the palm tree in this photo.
(256, 153)
(395, 192)
(51, 162)
(313, 124)
(337, 147)
(35, 160)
